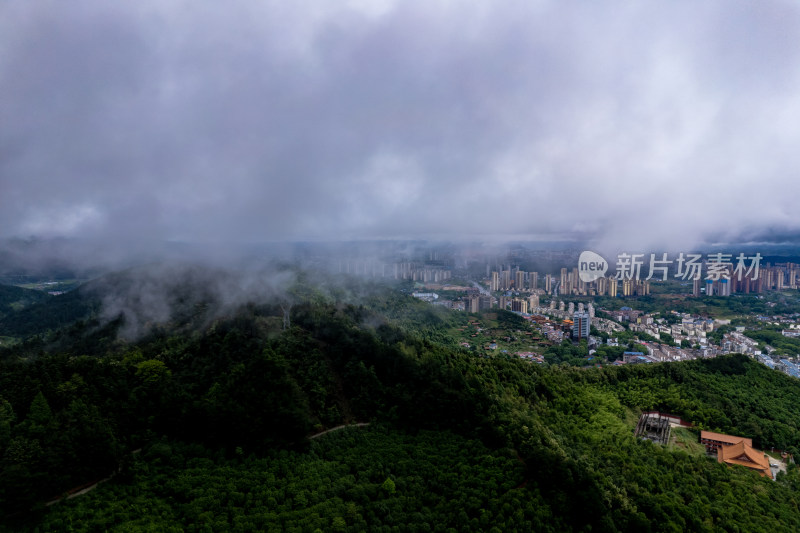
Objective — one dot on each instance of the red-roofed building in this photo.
(744, 455)
(714, 441)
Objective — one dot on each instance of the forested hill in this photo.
(16, 298)
(34, 313)
(223, 405)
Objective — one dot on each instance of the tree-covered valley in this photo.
(205, 397)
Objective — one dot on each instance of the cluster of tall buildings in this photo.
(719, 287)
(769, 278)
(571, 283)
(479, 302)
(568, 283)
(513, 279)
(610, 286)
(414, 271)
(474, 303)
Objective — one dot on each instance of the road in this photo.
(83, 489)
(481, 288)
(337, 428)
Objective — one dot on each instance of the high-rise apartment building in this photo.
(519, 280)
(697, 285)
(602, 286)
(519, 305)
(505, 280)
(612, 287)
(580, 326)
(724, 287)
(575, 281)
(627, 287)
(494, 285)
(533, 280)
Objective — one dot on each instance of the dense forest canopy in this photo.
(204, 413)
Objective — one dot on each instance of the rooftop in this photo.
(721, 437)
(744, 455)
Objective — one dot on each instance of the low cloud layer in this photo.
(652, 126)
(161, 293)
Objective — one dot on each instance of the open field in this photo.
(687, 440)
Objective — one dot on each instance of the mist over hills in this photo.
(216, 389)
(24, 261)
(148, 296)
(212, 202)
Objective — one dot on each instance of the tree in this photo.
(152, 371)
(6, 419)
(389, 486)
(666, 338)
(40, 417)
(339, 524)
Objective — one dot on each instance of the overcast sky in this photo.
(657, 125)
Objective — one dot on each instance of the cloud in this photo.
(159, 293)
(630, 125)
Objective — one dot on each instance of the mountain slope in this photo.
(13, 299)
(208, 403)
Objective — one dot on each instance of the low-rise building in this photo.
(745, 455)
(714, 441)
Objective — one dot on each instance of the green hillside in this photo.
(34, 312)
(14, 299)
(222, 407)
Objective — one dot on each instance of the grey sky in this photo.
(655, 125)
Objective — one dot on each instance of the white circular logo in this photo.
(591, 266)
